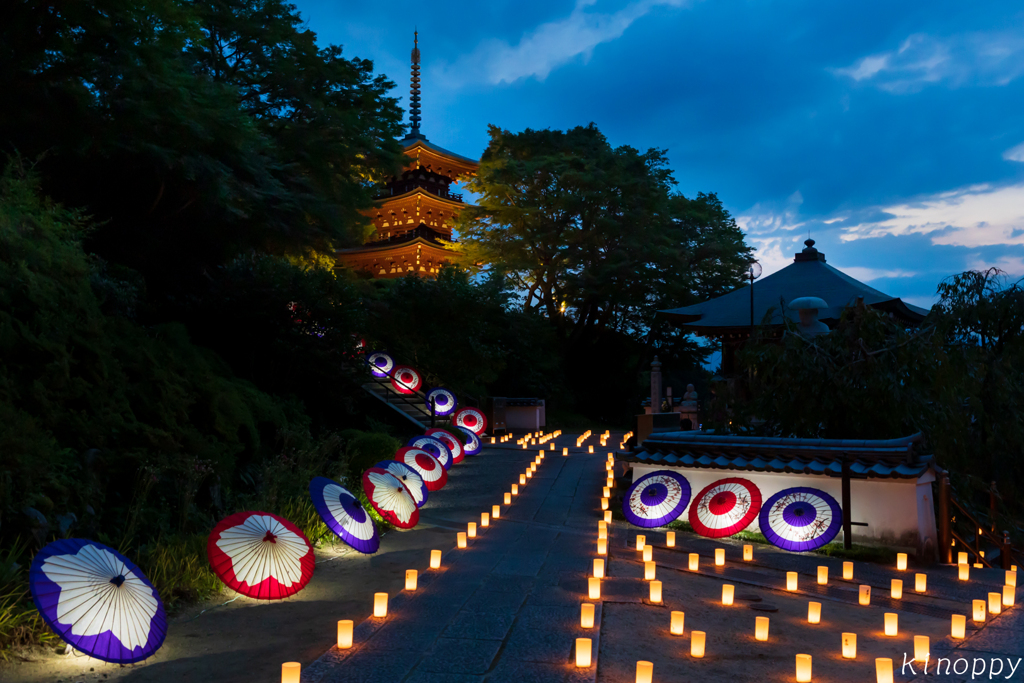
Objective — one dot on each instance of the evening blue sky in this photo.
(892, 131)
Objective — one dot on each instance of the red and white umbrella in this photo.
(449, 440)
(725, 507)
(435, 476)
(260, 555)
(390, 498)
(406, 380)
(472, 419)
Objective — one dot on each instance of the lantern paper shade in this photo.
(864, 595)
(800, 519)
(522, 480)
(791, 581)
(291, 672)
(472, 419)
(728, 591)
(608, 516)
(583, 651)
(602, 546)
(406, 380)
(979, 610)
(719, 557)
(959, 626)
(471, 529)
(922, 648)
(260, 555)
(411, 579)
(849, 646)
(449, 440)
(604, 503)
(599, 568)
(995, 603)
(891, 624)
(847, 571)
(495, 511)
(725, 507)
(1009, 596)
(460, 539)
(97, 601)
(655, 499)
(883, 670)
(649, 569)
(485, 519)
(594, 588)
(814, 612)
(587, 615)
(897, 589)
(822, 576)
(803, 668)
(1011, 578)
(676, 625)
(641, 541)
(648, 553)
(344, 515)
(508, 499)
(515, 489)
(435, 559)
(670, 539)
(961, 558)
(390, 498)
(694, 561)
(442, 400)
(345, 633)
(901, 561)
(655, 591)
(644, 672)
(748, 553)
(380, 364)
(434, 447)
(472, 446)
(921, 583)
(380, 605)
(964, 571)
(697, 644)
(430, 469)
(761, 628)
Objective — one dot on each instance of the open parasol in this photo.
(344, 515)
(390, 498)
(801, 519)
(380, 363)
(434, 475)
(725, 507)
(656, 499)
(473, 445)
(449, 440)
(472, 419)
(444, 401)
(410, 477)
(406, 380)
(435, 447)
(260, 555)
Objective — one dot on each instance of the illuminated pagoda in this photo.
(415, 212)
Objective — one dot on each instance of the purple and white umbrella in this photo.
(97, 601)
(444, 401)
(344, 515)
(435, 447)
(473, 445)
(409, 476)
(801, 519)
(656, 499)
(380, 363)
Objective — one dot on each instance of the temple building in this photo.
(414, 213)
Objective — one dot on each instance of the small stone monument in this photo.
(688, 409)
(807, 307)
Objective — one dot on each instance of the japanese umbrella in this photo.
(725, 507)
(435, 447)
(380, 363)
(434, 475)
(389, 496)
(260, 555)
(656, 499)
(800, 519)
(444, 401)
(97, 601)
(472, 419)
(344, 515)
(410, 477)
(406, 380)
(449, 440)
(472, 446)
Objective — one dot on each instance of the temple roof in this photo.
(808, 275)
(412, 143)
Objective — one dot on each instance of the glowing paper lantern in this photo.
(599, 568)
(961, 558)
(761, 628)
(602, 546)
(495, 511)
(435, 559)
(604, 503)
(508, 498)
(897, 589)
(883, 670)
(644, 672)
(565, 452)
(697, 644)
(583, 649)
(471, 529)
(921, 583)
(345, 634)
(460, 539)
(848, 571)
(594, 588)
(655, 591)
(676, 626)
(602, 533)
(803, 668)
(849, 646)
(979, 610)
(648, 553)
(608, 516)
(995, 603)
(587, 615)
(822, 576)
(728, 591)
(719, 557)
(901, 561)
(670, 540)
(380, 605)
(964, 571)
(515, 489)
(290, 672)
(606, 492)
(522, 480)
(959, 626)
(485, 519)
(891, 624)
(791, 581)
(641, 541)
(694, 561)
(1009, 596)
(865, 595)
(1011, 577)
(748, 553)
(411, 576)
(922, 648)
(813, 612)
(649, 569)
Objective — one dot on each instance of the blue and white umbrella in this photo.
(656, 499)
(801, 519)
(344, 515)
(410, 477)
(97, 601)
(444, 401)
(435, 447)
(380, 363)
(473, 445)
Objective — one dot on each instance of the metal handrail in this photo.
(407, 399)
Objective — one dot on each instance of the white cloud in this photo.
(991, 58)
(865, 274)
(1015, 153)
(975, 216)
(548, 46)
(1011, 265)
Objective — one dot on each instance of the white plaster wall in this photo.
(888, 506)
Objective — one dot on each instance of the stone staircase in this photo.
(412, 406)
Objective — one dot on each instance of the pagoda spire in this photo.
(414, 90)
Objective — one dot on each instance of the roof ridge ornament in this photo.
(809, 253)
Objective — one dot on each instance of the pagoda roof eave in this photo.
(394, 246)
(419, 148)
(423, 193)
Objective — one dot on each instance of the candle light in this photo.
(529, 474)
(649, 569)
(606, 492)
(610, 483)
(676, 627)
(411, 579)
(959, 627)
(865, 595)
(822, 576)
(485, 519)
(495, 511)
(670, 540)
(641, 541)
(533, 467)
(380, 604)
(345, 633)
(848, 571)
(599, 568)
(791, 581)
(897, 589)
(849, 646)
(719, 557)
(803, 668)
(594, 586)
(602, 533)
(608, 516)
(883, 670)
(979, 610)
(761, 628)
(648, 553)
(611, 458)
(922, 648)
(1011, 577)
(435, 559)
(728, 591)
(891, 624)
(587, 615)
(965, 571)
(655, 591)
(290, 672)
(565, 451)
(1009, 596)
(694, 561)
(522, 479)
(604, 503)
(995, 603)
(961, 558)
(460, 538)
(602, 546)
(697, 644)
(921, 583)
(515, 489)
(601, 524)
(591, 449)
(583, 648)
(748, 553)
(644, 672)
(901, 561)
(813, 612)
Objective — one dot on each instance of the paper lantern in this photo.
(728, 591)
(599, 568)
(964, 571)
(602, 546)
(1011, 577)
(591, 449)
(508, 498)
(380, 605)
(583, 648)
(610, 483)
(608, 516)
(813, 612)
(649, 569)
(979, 610)
(901, 561)
(803, 668)
(694, 561)
(865, 595)
(435, 559)
(492, 439)
(529, 474)
(1009, 596)
(648, 553)
(848, 571)
(697, 644)
(290, 672)
(522, 479)
(748, 553)
(849, 646)
(644, 672)
(641, 541)
(655, 591)
(411, 579)
(961, 558)
(601, 524)
(345, 634)
(791, 581)
(995, 603)
(495, 511)
(485, 519)
(676, 626)
(587, 615)
(822, 576)
(471, 530)
(959, 626)
(761, 628)
(515, 489)
(891, 624)
(897, 589)
(604, 503)
(594, 587)
(719, 557)
(922, 648)
(551, 446)
(602, 533)
(670, 540)
(883, 670)
(921, 583)
(460, 539)
(606, 492)
(565, 451)
(533, 467)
